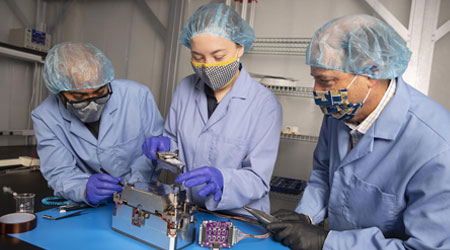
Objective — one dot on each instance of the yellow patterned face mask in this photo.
(336, 104)
(216, 75)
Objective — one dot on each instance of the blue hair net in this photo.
(359, 44)
(75, 66)
(220, 20)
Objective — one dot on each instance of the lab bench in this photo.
(23, 181)
(88, 231)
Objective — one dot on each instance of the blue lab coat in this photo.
(69, 153)
(240, 139)
(391, 191)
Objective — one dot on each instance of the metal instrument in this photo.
(263, 217)
(63, 217)
(106, 172)
(161, 216)
(75, 206)
(217, 234)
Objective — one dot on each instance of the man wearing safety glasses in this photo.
(92, 122)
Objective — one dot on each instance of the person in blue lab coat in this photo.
(92, 121)
(225, 124)
(382, 164)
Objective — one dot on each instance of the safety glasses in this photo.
(84, 103)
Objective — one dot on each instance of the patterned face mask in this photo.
(216, 75)
(335, 102)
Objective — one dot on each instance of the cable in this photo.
(223, 233)
(234, 217)
(55, 201)
(169, 225)
(242, 235)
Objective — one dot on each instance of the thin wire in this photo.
(258, 236)
(229, 216)
(242, 235)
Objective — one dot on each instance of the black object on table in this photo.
(262, 217)
(21, 182)
(287, 185)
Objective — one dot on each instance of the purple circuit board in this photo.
(217, 234)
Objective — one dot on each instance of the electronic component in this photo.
(169, 167)
(161, 214)
(30, 38)
(287, 185)
(217, 234)
(222, 234)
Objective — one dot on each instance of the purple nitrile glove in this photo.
(210, 176)
(100, 187)
(156, 143)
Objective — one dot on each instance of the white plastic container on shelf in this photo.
(290, 130)
(279, 81)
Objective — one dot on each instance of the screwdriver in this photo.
(106, 172)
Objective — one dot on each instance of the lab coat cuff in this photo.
(330, 241)
(210, 203)
(141, 171)
(173, 146)
(313, 216)
(85, 201)
(309, 218)
(82, 191)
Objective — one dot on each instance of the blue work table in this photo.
(93, 231)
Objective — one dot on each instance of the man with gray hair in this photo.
(92, 122)
(382, 164)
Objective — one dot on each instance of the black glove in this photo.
(284, 214)
(298, 234)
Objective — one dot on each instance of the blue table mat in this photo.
(93, 231)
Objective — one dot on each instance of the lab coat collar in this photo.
(394, 114)
(200, 99)
(76, 126)
(107, 118)
(387, 126)
(241, 86)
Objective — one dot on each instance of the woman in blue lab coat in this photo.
(225, 125)
(92, 121)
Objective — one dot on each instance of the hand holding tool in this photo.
(263, 217)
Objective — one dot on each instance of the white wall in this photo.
(123, 32)
(121, 29)
(440, 84)
(15, 76)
